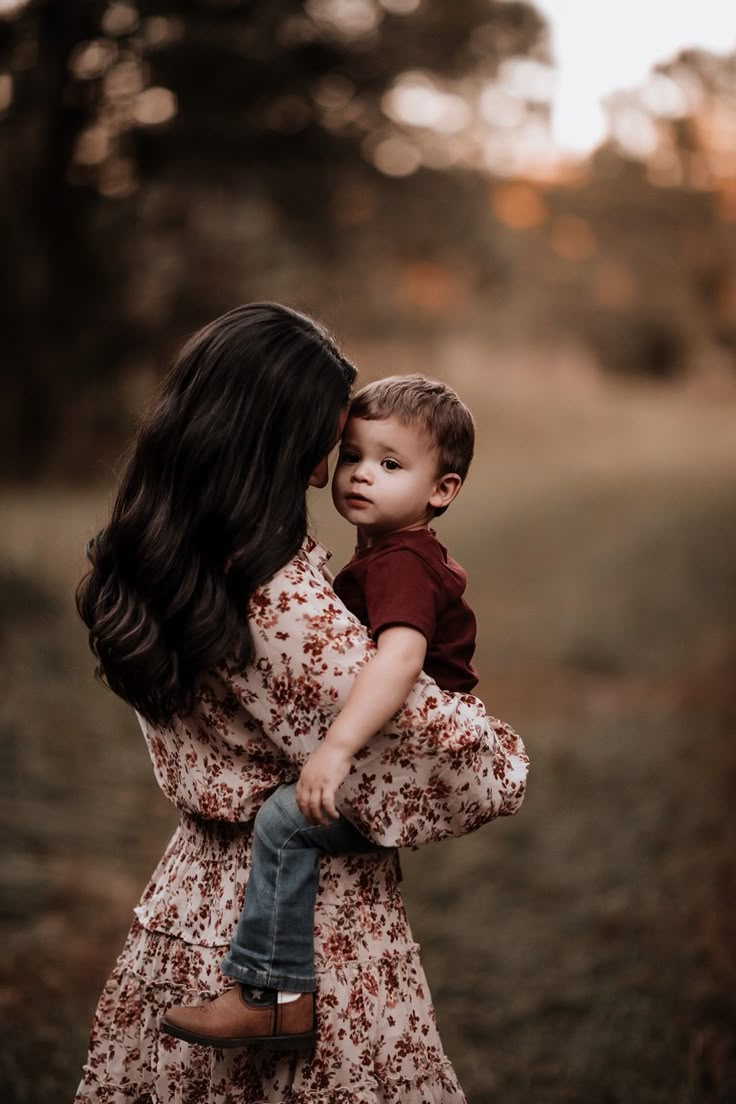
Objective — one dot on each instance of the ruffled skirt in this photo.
(377, 1040)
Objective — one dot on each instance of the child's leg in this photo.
(273, 945)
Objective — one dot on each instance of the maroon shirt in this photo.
(409, 578)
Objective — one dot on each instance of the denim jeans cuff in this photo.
(265, 979)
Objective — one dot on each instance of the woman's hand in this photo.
(320, 778)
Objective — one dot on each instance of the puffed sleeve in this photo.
(442, 767)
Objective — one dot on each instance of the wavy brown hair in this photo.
(211, 502)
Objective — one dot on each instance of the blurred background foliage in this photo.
(167, 160)
(390, 165)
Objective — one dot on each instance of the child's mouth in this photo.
(357, 500)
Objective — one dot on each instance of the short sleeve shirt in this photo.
(409, 578)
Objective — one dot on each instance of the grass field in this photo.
(580, 953)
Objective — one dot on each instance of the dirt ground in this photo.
(582, 952)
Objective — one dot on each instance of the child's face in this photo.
(386, 476)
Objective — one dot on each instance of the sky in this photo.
(598, 47)
(603, 45)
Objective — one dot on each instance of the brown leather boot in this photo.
(234, 1020)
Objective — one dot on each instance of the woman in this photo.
(209, 612)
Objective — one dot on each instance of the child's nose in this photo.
(361, 472)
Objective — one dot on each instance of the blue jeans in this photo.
(273, 945)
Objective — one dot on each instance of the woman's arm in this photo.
(441, 768)
(379, 691)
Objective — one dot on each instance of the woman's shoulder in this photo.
(302, 580)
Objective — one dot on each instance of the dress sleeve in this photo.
(442, 767)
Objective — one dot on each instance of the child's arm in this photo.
(379, 691)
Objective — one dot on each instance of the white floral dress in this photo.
(442, 768)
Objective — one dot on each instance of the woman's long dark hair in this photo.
(211, 502)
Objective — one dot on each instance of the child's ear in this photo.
(445, 489)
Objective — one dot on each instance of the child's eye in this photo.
(348, 457)
(391, 465)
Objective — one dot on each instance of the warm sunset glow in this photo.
(572, 238)
(612, 44)
(541, 118)
(518, 206)
(613, 285)
(431, 287)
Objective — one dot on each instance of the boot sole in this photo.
(303, 1041)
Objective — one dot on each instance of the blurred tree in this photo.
(166, 160)
(165, 157)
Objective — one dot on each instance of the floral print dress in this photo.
(441, 768)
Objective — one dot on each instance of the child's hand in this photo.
(319, 781)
